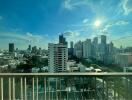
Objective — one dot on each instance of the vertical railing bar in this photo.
(106, 89)
(114, 89)
(127, 81)
(33, 87)
(45, 87)
(83, 88)
(9, 86)
(21, 88)
(60, 88)
(1, 88)
(103, 97)
(56, 90)
(14, 88)
(49, 88)
(74, 90)
(37, 87)
(25, 84)
(95, 88)
(88, 90)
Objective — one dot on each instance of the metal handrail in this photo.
(68, 74)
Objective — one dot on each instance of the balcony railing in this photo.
(65, 86)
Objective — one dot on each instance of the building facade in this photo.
(87, 48)
(11, 47)
(78, 49)
(58, 57)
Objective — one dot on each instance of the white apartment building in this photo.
(57, 58)
(124, 59)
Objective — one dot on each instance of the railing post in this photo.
(1, 88)
(127, 93)
(95, 87)
(103, 90)
(25, 82)
(49, 87)
(33, 87)
(114, 89)
(45, 87)
(56, 90)
(106, 89)
(14, 89)
(60, 88)
(37, 87)
(21, 88)
(9, 86)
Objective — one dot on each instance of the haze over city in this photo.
(38, 22)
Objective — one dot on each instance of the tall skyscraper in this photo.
(57, 56)
(103, 49)
(62, 39)
(78, 49)
(34, 49)
(87, 48)
(103, 39)
(71, 44)
(111, 48)
(71, 49)
(11, 47)
(95, 40)
(110, 53)
(95, 47)
(29, 47)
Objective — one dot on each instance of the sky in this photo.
(39, 22)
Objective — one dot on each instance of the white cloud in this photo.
(71, 33)
(74, 36)
(121, 22)
(126, 6)
(123, 41)
(34, 38)
(67, 5)
(22, 40)
(71, 4)
(85, 20)
(115, 23)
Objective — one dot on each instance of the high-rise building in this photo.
(29, 47)
(103, 39)
(78, 49)
(34, 49)
(71, 49)
(11, 47)
(58, 56)
(87, 48)
(71, 44)
(123, 59)
(111, 48)
(95, 47)
(62, 39)
(110, 53)
(102, 54)
(95, 40)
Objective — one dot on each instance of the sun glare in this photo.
(97, 23)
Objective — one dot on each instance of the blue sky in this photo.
(39, 22)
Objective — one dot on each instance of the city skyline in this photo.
(40, 22)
